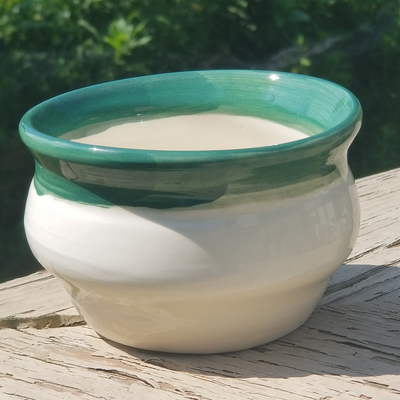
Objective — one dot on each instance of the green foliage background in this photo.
(50, 46)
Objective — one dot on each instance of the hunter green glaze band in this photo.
(164, 179)
(48, 182)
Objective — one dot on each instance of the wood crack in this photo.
(352, 281)
(393, 244)
(363, 254)
(381, 386)
(41, 322)
(43, 279)
(19, 396)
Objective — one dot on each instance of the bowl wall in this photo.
(195, 251)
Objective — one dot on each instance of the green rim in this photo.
(201, 91)
(327, 112)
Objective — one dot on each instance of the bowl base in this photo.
(207, 326)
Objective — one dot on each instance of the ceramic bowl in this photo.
(195, 251)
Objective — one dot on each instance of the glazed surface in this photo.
(105, 176)
(183, 280)
(198, 251)
(197, 132)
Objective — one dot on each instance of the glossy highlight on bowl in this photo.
(195, 251)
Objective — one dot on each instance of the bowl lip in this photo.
(54, 147)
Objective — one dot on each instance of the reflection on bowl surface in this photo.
(194, 212)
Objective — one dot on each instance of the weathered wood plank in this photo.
(378, 246)
(348, 349)
(76, 361)
(37, 300)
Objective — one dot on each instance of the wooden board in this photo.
(348, 349)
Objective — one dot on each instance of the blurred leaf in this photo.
(237, 11)
(299, 16)
(123, 37)
(305, 62)
(89, 27)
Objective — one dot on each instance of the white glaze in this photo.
(185, 280)
(187, 132)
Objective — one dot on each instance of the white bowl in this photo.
(195, 251)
